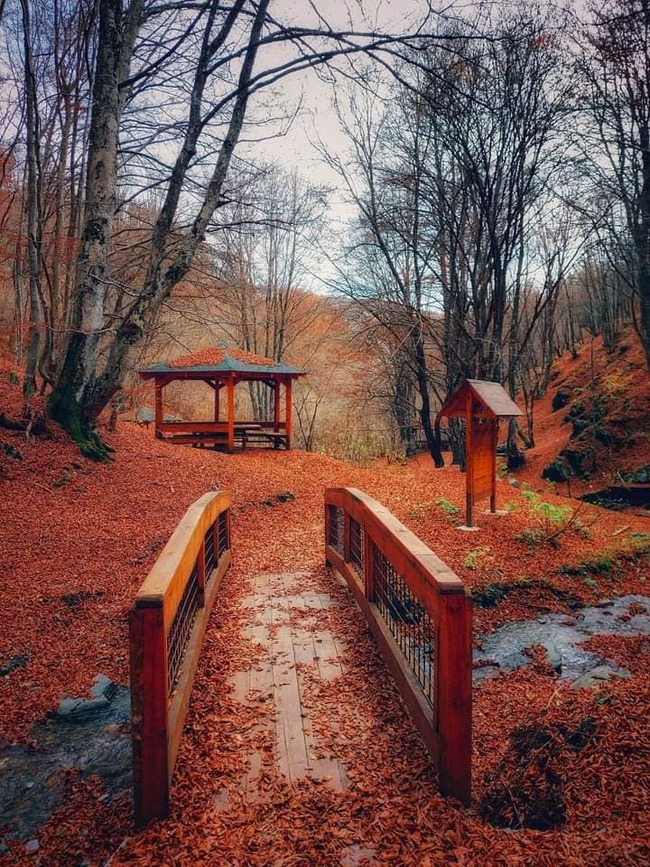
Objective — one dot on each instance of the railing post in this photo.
(149, 714)
(368, 565)
(288, 429)
(216, 543)
(453, 696)
(327, 531)
(200, 569)
(216, 531)
(228, 530)
(346, 535)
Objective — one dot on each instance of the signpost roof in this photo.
(491, 395)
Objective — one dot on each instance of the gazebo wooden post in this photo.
(217, 391)
(287, 388)
(158, 418)
(231, 413)
(276, 406)
(469, 463)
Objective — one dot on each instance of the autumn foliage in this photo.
(75, 527)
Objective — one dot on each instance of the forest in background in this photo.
(498, 162)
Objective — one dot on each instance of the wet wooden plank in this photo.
(283, 621)
(292, 749)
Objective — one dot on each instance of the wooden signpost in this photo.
(481, 404)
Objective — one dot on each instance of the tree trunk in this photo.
(433, 441)
(34, 211)
(642, 239)
(74, 402)
(456, 434)
(403, 406)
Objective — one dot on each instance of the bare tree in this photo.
(393, 244)
(264, 245)
(616, 74)
(456, 176)
(47, 49)
(34, 205)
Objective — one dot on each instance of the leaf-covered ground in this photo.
(596, 413)
(77, 539)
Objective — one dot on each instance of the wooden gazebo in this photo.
(226, 367)
(481, 403)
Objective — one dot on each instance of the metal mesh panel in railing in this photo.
(356, 546)
(210, 558)
(224, 541)
(181, 629)
(407, 620)
(335, 516)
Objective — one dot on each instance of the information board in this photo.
(483, 458)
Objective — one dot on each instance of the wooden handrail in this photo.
(166, 628)
(420, 614)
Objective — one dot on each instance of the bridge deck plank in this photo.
(297, 651)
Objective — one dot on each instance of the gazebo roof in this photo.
(220, 359)
(493, 396)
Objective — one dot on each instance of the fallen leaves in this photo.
(73, 557)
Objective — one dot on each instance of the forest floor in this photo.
(75, 530)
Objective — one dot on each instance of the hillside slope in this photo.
(592, 427)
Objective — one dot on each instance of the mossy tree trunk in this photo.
(84, 389)
(78, 396)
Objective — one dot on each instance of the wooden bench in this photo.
(262, 436)
(246, 433)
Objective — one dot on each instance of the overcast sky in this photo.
(316, 119)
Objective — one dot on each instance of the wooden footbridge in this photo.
(418, 610)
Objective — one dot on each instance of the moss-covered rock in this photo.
(556, 471)
(561, 399)
(582, 461)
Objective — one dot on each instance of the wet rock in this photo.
(103, 687)
(606, 619)
(563, 638)
(101, 692)
(598, 675)
(75, 709)
(97, 741)
(554, 656)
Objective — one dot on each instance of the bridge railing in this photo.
(420, 614)
(166, 628)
